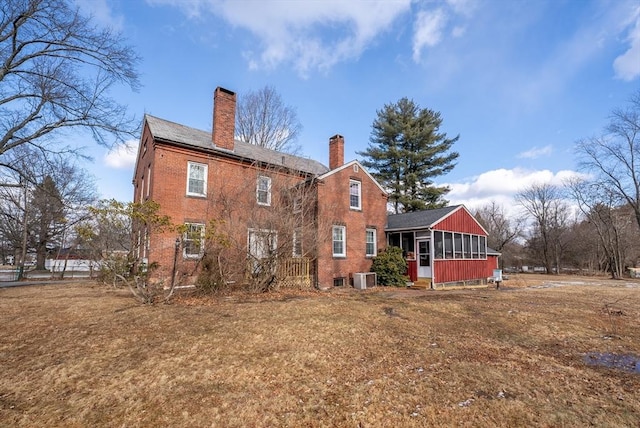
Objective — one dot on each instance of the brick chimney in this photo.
(336, 151)
(224, 118)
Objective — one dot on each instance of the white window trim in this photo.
(206, 174)
(297, 204)
(186, 239)
(148, 181)
(359, 206)
(262, 232)
(344, 241)
(268, 179)
(375, 246)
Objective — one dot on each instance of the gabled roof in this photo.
(172, 132)
(349, 164)
(418, 219)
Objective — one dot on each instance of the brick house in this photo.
(326, 223)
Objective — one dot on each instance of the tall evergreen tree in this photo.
(48, 212)
(406, 152)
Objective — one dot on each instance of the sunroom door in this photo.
(424, 258)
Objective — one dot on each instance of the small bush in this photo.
(211, 278)
(390, 267)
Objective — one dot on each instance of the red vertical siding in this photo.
(492, 263)
(461, 270)
(460, 221)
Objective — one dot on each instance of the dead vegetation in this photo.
(85, 355)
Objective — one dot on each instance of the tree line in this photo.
(590, 222)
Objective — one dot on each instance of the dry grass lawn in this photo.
(82, 354)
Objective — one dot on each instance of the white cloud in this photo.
(501, 185)
(536, 152)
(428, 28)
(310, 35)
(102, 13)
(122, 156)
(627, 65)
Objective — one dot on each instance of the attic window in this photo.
(355, 195)
(356, 168)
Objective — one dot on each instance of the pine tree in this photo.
(406, 152)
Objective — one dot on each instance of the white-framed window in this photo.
(355, 199)
(297, 243)
(196, 179)
(263, 190)
(370, 242)
(262, 243)
(193, 240)
(339, 241)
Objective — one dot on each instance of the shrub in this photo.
(390, 267)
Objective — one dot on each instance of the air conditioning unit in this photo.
(362, 281)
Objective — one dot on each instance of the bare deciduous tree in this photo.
(263, 119)
(611, 222)
(265, 239)
(550, 215)
(56, 70)
(613, 159)
(501, 229)
(58, 195)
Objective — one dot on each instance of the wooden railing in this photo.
(294, 272)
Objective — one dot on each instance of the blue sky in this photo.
(520, 81)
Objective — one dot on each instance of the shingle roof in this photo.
(418, 219)
(184, 135)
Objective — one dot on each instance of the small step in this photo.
(422, 284)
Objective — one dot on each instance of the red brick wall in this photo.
(230, 196)
(333, 209)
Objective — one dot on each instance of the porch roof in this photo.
(418, 219)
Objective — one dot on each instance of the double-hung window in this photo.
(339, 241)
(297, 204)
(263, 190)
(193, 240)
(196, 179)
(355, 195)
(148, 181)
(370, 242)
